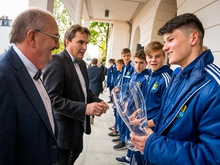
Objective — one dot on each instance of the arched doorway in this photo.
(165, 11)
(136, 40)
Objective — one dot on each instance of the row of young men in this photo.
(152, 83)
(184, 127)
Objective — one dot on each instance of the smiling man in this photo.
(187, 129)
(28, 131)
(67, 83)
(159, 77)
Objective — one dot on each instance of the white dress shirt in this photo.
(32, 70)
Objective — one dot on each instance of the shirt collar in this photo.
(72, 58)
(31, 68)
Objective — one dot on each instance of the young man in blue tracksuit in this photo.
(140, 76)
(128, 69)
(187, 127)
(115, 132)
(111, 83)
(111, 77)
(159, 78)
(158, 81)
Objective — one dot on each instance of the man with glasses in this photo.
(28, 130)
(67, 83)
(56, 38)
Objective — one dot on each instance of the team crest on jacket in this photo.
(138, 83)
(182, 111)
(155, 86)
(128, 73)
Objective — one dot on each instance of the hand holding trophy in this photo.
(130, 105)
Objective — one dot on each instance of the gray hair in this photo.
(29, 19)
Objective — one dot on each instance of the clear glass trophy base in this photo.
(131, 146)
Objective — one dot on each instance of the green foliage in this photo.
(99, 37)
(98, 30)
(64, 21)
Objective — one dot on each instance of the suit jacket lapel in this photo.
(70, 62)
(30, 88)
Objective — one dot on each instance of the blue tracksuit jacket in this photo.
(112, 76)
(127, 71)
(188, 126)
(156, 85)
(141, 79)
(152, 88)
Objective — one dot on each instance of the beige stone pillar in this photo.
(42, 4)
(79, 7)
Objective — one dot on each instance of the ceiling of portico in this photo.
(119, 10)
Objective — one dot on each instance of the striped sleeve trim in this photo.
(214, 71)
(166, 77)
(146, 76)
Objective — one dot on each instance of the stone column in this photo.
(42, 4)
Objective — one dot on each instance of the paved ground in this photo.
(98, 147)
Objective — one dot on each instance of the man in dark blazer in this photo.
(67, 83)
(95, 77)
(28, 131)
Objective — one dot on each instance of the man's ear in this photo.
(66, 42)
(194, 37)
(31, 34)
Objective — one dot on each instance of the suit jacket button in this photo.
(54, 146)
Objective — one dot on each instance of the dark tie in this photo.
(76, 61)
(37, 75)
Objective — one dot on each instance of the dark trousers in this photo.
(68, 157)
(110, 90)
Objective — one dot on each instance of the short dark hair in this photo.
(94, 61)
(71, 32)
(120, 61)
(140, 54)
(111, 60)
(125, 50)
(186, 22)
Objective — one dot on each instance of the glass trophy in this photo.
(130, 104)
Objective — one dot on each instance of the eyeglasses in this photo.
(56, 38)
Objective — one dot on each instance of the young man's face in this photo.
(126, 57)
(119, 66)
(140, 64)
(110, 63)
(177, 47)
(155, 60)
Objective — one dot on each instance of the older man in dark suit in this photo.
(28, 132)
(67, 82)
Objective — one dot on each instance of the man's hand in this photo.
(96, 108)
(104, 106)
(139, 141)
